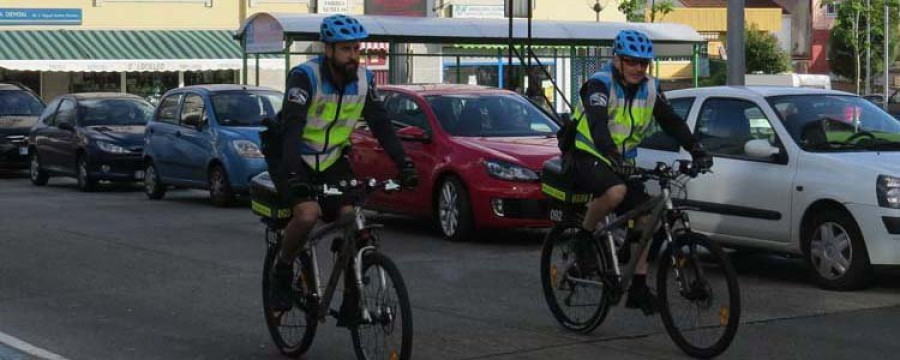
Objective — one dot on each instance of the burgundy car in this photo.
(478, 151)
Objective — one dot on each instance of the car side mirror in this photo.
(413, 133)
(66, 126)
(761, 149)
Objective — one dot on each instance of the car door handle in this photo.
(378, 148)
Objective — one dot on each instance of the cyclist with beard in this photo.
(325, 98)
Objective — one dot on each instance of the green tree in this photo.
(636, 10)
(633, 9)
(662, 8)
(763, 52)
(847, 44)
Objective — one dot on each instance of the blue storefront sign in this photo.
(40, 16)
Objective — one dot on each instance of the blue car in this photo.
(207, 137)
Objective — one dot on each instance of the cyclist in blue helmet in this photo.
(308, 143)
(616, 109)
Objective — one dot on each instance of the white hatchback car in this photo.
(804, 171)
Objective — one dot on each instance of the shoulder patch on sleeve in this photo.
(598, 99)
(298, 96)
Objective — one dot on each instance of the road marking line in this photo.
(28, 348)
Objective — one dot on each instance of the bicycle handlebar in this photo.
(364, 185)
(666, 171)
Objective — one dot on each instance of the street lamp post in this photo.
(868, 49)
(887, 55)
(735, 47)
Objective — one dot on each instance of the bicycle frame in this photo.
(352, 223)
(657, 207)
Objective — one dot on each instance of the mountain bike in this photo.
(698, 294)
(376, 303)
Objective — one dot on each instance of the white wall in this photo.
(54, 84)
(784, 36)
(426, 69)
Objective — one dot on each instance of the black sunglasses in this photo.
(635, 62)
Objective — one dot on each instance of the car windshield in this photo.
(97, 112)
(245, 108)
(18, 102)
(495, 115)
(837, 123)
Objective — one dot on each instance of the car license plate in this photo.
(139, 174)
(23, 151)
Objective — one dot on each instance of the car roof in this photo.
(104, 95)
(446, 89)
(6, 86)
(225, 87)
(763, 91)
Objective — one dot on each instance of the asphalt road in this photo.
(112, 275)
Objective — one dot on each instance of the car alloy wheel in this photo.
(38, 176)
(219, 187)
(85, 183)
(453, 211)
(835, 250)
(830, 250)
(449, 209)
(153, 186)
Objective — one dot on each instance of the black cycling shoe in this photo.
(640, 297)
(585, 254)
(281, 288)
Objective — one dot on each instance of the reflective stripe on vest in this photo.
(331, 117)
(627, 130)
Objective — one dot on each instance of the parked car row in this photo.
(479, 150)
(802, 171)
(202, 136)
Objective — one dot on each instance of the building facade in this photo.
(144, 47)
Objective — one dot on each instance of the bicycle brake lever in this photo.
(390, 185)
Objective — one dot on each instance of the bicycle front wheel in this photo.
(293, 330)
(578, 298)
(700, 302)
(389, 334)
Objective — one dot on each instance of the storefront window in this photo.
(151, 85)
(31, 79)
(210, 77)
(96, 82)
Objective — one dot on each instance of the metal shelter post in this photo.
(244, 74)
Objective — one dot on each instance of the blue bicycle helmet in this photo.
(634, 44)
(341, 28)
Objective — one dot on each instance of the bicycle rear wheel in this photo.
(700, 302)
(389, 335)
(293, 330)
(579, 300)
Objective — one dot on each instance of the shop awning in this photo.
(115, 51)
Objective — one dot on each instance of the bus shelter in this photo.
(460, 42)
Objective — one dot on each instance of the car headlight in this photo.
(246, 148)
(507, 171)
(112, 148)
(888, 189)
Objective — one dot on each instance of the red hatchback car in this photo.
(478, 150)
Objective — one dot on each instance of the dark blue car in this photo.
(207, 137)
(91, 136)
